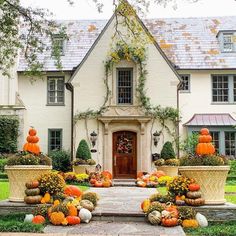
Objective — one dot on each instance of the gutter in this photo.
(70, 87)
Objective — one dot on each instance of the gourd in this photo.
(180, 202)
(32, 184)
(98, 184)
(154, 217)
(32, 192)
(205, 147)
(202, 220)
(141, 183)
(85, 215)
(145, 205)
(173, 211)
(195, 202)
(190, 223)
(33, 199)
(57, 218)
(194, 195)
(106, 174)
(72, 191)
(38, 219)
(106, 183)
(87, 205)
(193, 187)
(31, 144)
(28, 218)
(73, 220)
(72, 210)
(46, 198)
(169, 222)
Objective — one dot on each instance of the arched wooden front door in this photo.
(124, 154)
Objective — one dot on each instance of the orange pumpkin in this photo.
(72, 191)
(139, 174)
(32, 139)
(169, 222)
(38, 220)
(92, 181)
(32, 184)
(98, 184)
(204, 131)
(160, 173)
(72, 210)
(173, 210)
(204, 138)
(73, 220)
(57, 218)
(106, 174)
(193, 187)
(106, 183)
(32, 131)
(205, 149)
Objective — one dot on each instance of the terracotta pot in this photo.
(169, 170)
(18, 175)
(211, 179)
(81, 169)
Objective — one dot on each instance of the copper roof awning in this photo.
(224, 119)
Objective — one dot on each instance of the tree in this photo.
(38, 26)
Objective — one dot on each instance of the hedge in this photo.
(9, 129)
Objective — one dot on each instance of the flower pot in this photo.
(211, 179)
(81, 169)
(18, 175)
(169, 170)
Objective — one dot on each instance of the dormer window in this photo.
(57, 45)
(228, 44)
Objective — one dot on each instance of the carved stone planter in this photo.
(211, 179)
(81, 169)
(169, 170)
(18, 175)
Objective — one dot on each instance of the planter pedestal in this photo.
(211, 179)
(18, 175)
(169, 170)
(81, 169)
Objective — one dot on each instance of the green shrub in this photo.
(3, 162)
(167, 151)
(189, 144)
(83, 151)
(9, 126)
(232, 168)
(60, 160)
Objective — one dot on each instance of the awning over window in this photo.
(211, 120)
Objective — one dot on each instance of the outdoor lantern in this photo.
(93, 138)
(156, 137)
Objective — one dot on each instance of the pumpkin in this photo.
(169, 222)
(32, 192)
(57, 218)
(139, 174)
(85, 215)
(72, 191)
(31, 147)
(173, 210)
(205, 149)
(64, 222)
(32, 131)
(190, 223)
(180, 202)
(87, 205)
(106, 174)
(28, 218)
(47, 197)
(154, 217)
(106, 183)
(32, 139)
(33, 199)
(145, 205)
(73, 220)
(202, 220)
(193, 187)
(92, 181)
(160, 173)
(72, 210)
(56, 202)
(204, 138)
(141, 183)
(194, 195)
(98, 184)
(32, 184)
(38, 219)
(195, 202)
(204, 131)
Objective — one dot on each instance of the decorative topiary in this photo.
(167, 151)
(83, 151)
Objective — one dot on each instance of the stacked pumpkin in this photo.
(32, 193)
(32, 140)
(193, 196)
(100, 179)
(204, 146)
(145, 179)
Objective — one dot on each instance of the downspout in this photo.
(70, 87)
(178, 89)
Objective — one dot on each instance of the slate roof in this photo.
(189, 43)
(211, 120)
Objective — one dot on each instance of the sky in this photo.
(85, 9)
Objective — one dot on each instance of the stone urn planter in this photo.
(169, 170)
(211, 179)
(18, 175)
(81, 169)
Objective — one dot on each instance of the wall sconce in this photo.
(156, 137)
(93, 138)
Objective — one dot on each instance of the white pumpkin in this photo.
(154, 217)
(165, 213)
(85, 215)
(28, 218)
(202, 220)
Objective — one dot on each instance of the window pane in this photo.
(56, 90)
(55, 139)
(228, 42)
(215, 140)
(60, 84)
(220, 88)
(185, 82)
(235, 88)
(230, 143)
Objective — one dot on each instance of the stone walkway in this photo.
(118, 213)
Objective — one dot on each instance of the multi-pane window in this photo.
(185, 85)
(215, 140)
(228, 44)
(235, 88)
(230, 143)
(54, 139)
(124, 86)
(57, 45)
(220, 88)
(55, 90)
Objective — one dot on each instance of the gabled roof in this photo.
(211, 120)
(189, 43)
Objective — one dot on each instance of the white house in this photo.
(201, 51)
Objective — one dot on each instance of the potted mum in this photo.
(168, 161)
(208, 169)
(26, 166)
(84, 162)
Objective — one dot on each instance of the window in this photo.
(235, 88)
(230, 143)
(124, 86)
(54, 139)
(220, 88)
(56, 90)
(228, 45)
(185, 86)
(57, 45)
(215, 140)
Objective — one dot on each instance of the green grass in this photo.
(230, 188)
(214, 229)
(231, 198)
(15, 223)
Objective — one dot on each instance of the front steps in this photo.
(124, 182)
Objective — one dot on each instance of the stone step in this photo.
(124, 180)
(124, 183)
